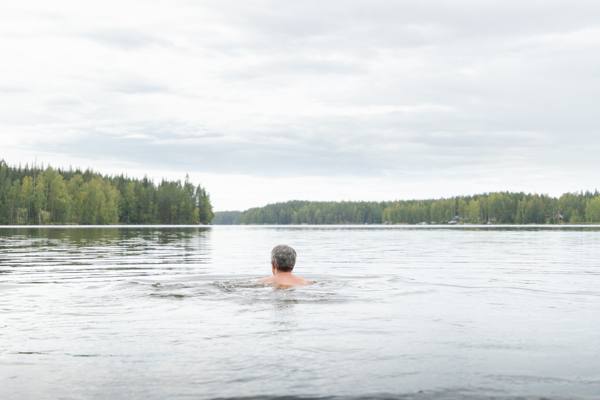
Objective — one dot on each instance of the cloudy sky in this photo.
(264, 101)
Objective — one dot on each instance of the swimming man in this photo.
(283, 259)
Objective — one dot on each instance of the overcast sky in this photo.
(264, 101)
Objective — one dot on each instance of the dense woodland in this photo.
(32, 195)
(493, 208)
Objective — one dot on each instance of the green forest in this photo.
(488, 208)
(37, 195)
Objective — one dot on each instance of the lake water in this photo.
(405, 312)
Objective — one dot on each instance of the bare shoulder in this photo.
(303, 282)
(266, 280)
(285, 281)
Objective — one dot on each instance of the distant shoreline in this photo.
(495, 208)
(390, 226)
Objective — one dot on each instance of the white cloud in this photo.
(401, 99)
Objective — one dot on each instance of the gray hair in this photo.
(283, 257)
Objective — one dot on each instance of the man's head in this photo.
(283, 258)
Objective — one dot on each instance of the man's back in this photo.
(285, 280)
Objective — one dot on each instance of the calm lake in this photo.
(408, 312)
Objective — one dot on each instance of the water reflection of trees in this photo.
(79, 236)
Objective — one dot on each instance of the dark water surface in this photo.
(398, 312)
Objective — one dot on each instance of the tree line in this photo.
(488, 208)
(37, 195)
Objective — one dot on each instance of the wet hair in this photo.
(283, 258)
